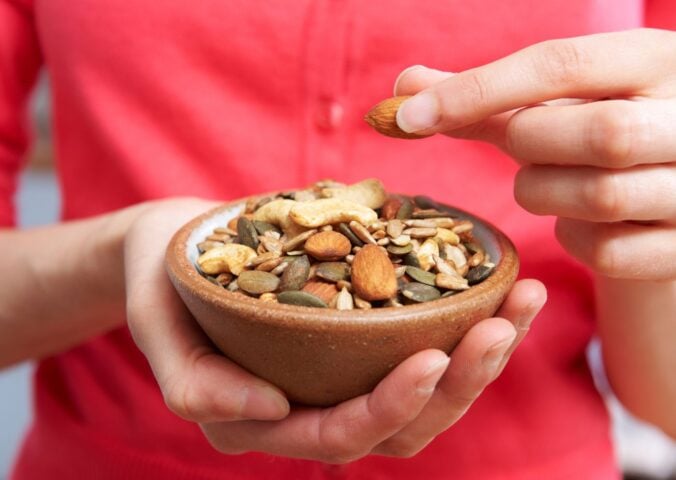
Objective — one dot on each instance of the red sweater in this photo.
(224, 98)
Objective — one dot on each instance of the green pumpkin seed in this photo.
(295, 275)
(333, 271)
(478, 274)
(262, 227)
(354, 240)
(257, 282)
(419, 292)
(425, 202)
(412, 260)
(397, 250)
(246, 232)
(303, 299)
(420, 275)
(405, 210)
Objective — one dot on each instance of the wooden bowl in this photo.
(321, 356)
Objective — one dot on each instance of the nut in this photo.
(373, 275)
(369, 193)
(231, 257)
(323, 290)
(328, 246)
(426, 253)
(383, 118)
(330, 210)
(276, 213)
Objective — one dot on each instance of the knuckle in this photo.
(616, 135)
(605, 198)
(605, 257)
(336, 448)
(562, 62)
(475, 89)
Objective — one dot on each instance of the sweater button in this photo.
(329, 114)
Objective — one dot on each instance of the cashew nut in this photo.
(277, 213)
(325, 211)
(369, 192)
(428, 250)
(231, 257)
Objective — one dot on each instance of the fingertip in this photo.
(533, 293)
(264, 402)
(416, 78)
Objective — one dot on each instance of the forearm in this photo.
(637, 326)
(61, 284)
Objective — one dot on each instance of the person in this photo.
(164, 109)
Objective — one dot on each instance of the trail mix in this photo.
(344, 247)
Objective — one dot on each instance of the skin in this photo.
(422, 397)
(602, 163)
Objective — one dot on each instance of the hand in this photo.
(605, 164)
(239, 412)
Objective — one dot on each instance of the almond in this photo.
(383, 118)
(373, 276)
(391, 207)
(328, 246)
(324, 290)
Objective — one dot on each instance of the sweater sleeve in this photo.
(660, 14)
(20, 61)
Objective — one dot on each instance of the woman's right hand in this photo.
(239, 412)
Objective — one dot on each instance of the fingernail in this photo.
(431, 376)
(401, 75)
(418, 113)
(494, 355)
(264, 403)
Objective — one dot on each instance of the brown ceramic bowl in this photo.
(321, 356)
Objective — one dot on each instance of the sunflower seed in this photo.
(362, 232)
(451, 282)
(344, 300)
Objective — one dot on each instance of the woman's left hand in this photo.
(604, 163)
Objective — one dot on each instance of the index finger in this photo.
(581, 67)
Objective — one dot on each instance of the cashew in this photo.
(369, 193)
(231, 257)
(426, 253)
(455, 255)
(325, 211)
(277, 213)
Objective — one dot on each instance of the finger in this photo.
(197, 383)
(566, 68)
(621, 250)
(347, 431)
(646, 192)
(416, 78)
(474, 364)
(611, 134)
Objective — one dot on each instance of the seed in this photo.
(383, 242)
(396, 250)
(425, 202)
(298, 240)
(268, 297)
(340, 284)
(376, 226)
(405, 210)
(420, 223)
(426, 253)
(379, 235)
(478, 274)
(402, 240)
(362, 232)
(326, 228)
(208, 245)
(472, 247)
(345, 230)
(219, 237)
(360, 303)
(344, 300)
(412, 260)
(390, 208)
(447, 236)
(400, 271)
(419, 292)
(256, 282)
(444, 266)
(303, 299)
(428, 213)
(263, 227)
(295, 276)
(272, 244)
(247, 233)
(421, 232)
(395, 227)
(272, 234)
(279, 269)
(232, 223)
(224, 278)
(451, 282)
(392, 302)
(333, 271)
(420, 275)
(225, 231)
(265, 257)
(463, 226)
(233, 286)
(476, 259)
(455, 255)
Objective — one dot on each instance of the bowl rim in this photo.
(181, 269)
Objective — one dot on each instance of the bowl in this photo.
(319, 356)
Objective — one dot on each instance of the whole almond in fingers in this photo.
(373, 276)
(383, 118)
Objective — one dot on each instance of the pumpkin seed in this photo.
(412, 260)
(295, 275)
(425, 202)
(247, 233)
(420, 275)
(256, 282)
(303, 299)
(405, 210)
(345, 230)
(397, 250)
(262, 227)
(419, 292)
(478, 274)
(333, 271)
